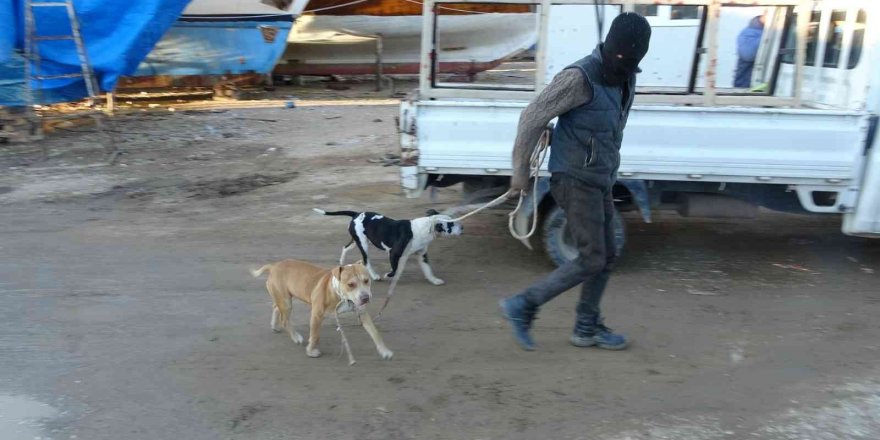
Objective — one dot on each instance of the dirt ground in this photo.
(127, 310)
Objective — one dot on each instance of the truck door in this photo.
(864, 218)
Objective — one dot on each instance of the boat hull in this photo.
(325, 45)
(217, 48)
(222, 37)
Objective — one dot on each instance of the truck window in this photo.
(855, 52)
(646, 10)
(833, 39)
(685, 13)
(488, 46)
(791, 39)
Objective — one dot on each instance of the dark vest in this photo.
(586, 140)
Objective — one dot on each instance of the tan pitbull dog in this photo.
(323, 289)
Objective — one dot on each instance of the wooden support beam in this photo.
(541, 57)
(804, 12)
(713, 18)
(379, 50)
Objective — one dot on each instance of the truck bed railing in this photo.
(708, 95)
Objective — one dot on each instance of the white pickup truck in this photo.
(803, 139)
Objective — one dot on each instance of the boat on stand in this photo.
(219, 38)
(339, 37)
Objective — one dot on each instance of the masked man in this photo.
(592, 99)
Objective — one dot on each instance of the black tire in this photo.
(558, 245)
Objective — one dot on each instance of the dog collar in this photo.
(334, 284)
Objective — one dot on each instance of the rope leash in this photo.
(345, 345)
(537, 158)
(535, 162)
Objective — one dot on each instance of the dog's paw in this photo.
(297, 338)
(437, 281)
(277, 330)
(386, 353)
(388, 276)
(313, 353)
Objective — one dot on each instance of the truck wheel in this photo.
(559, 245)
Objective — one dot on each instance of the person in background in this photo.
(747, 44)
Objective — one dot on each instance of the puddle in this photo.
(230, 187)
(22, 418)
(56, 187)
(204, 189)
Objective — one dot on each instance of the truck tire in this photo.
(558, 244)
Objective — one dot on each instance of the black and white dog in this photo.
(399, 238)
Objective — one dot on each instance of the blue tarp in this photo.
(118, 35)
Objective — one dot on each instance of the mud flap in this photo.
(412, 181)
(639, 191)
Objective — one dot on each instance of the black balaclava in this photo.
(624, 47)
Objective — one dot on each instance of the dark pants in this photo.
(742, 77)
(589, 212)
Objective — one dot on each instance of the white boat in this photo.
(342, 40)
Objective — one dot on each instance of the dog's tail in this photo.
(257, 272)
(351, 214)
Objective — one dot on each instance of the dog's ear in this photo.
(339, 274)
(431, 212)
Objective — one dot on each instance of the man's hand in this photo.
(519, 184)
